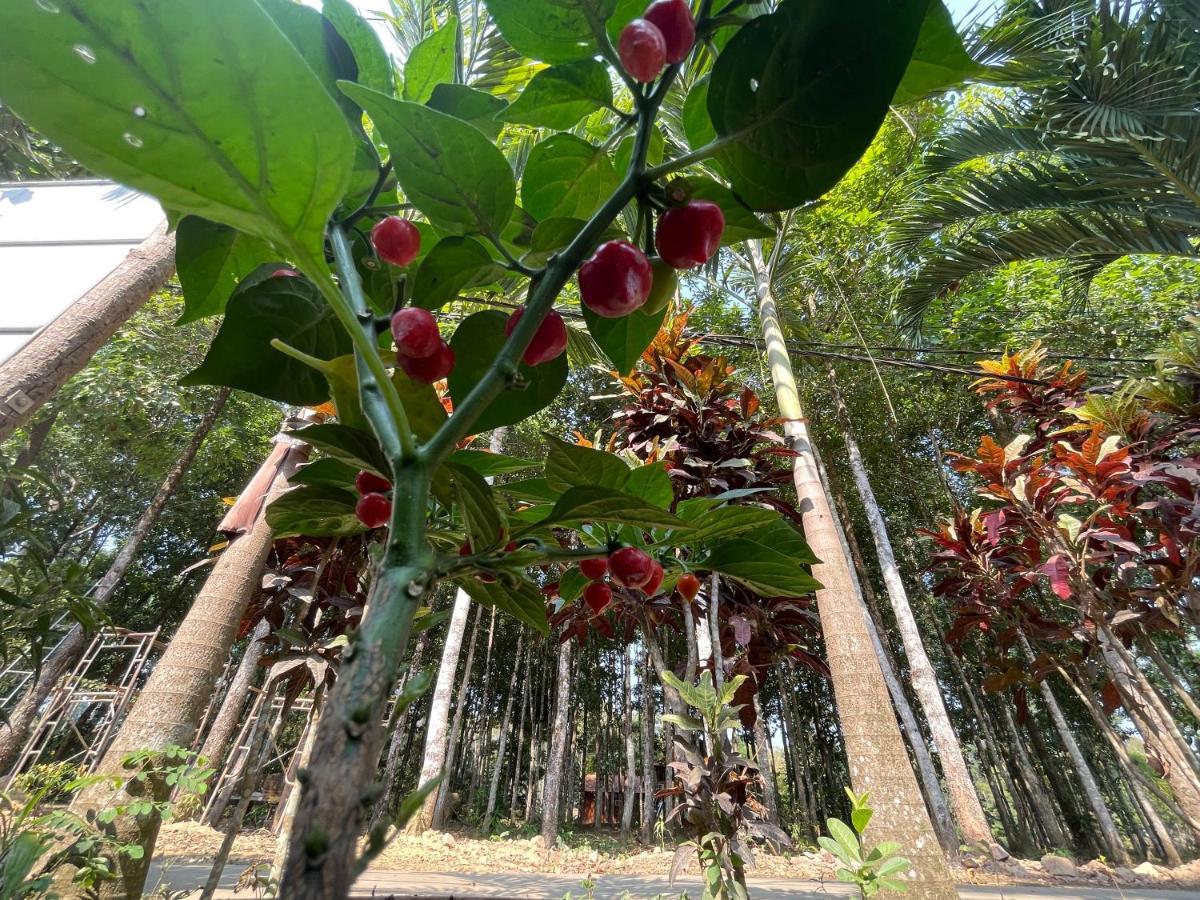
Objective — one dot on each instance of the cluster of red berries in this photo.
(664, 34)
(618, 278)
(629, 567)
(374, 507)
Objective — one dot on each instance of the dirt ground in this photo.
(588, 853)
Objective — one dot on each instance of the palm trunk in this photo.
(502, 743)
(170, 705)
(959, 784)
(64, 656)
(875, 749)
(34, 373)
(558, 748)
(443, 794)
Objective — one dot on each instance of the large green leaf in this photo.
(193, 101)
(241, 355)
(551, 235)
(374, 68)
(350, 445)
(566, 176)
(798, 95)
(652, 483)
(531, 490)
(554, 31)
(314, 510)
(601, 504)
(766, 562)
(329, 472)
(454, 264)
(481, 516)
(725, 521)
(430, 63)
(488, 464)
(939, 60)
(697, 126)
(421, 404)
(560, 96)
(210, 259)
(624, 339)
(571, 465)
(446, 167)
(476, 342)
(479, 108)
(523, 601)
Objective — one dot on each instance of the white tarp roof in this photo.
(57, 240)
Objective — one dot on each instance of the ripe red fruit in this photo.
(430, 368)
(593, 569)
(369, 483)
(631, 566)
(689, 235)
(415, 332)
(643, 50)
(373, 510)
(616, 280)
(597, 596)
(688, 586)
(674, 19)
(549, 341)
(285, 273)
(650, 588)
(396, 240)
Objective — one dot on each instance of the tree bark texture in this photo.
(502, 741)
(558, 748)
(443, 794)
(216, 743)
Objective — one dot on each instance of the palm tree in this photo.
(1093, 155)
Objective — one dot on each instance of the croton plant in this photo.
(331, 204)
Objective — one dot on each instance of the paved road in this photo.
(426, 886)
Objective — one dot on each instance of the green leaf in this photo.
(572, 465)
(760, 567)
(724, 521)
(532, 490)
(551, 235)
(838, 851)
(374, 68)
(241, 355)
(601, 504)
(555, 32)
(488, 464)
(447, 169)
(103, 81)
(846, 839)
(741, 224)
(798, 95)
(341, 374)
(351, 446)
(891, 866)
(415, 800)
(939, 60)
(524, 601)
(683, 723)
(654, 152)
(697, 126)
(560, 96)
(624, 339)
(476, 342)
(860, 818)
(572, 584)
(454, 264)
(701, 695)
(479, 108)
(425, 411)
(328, 472)
(210, 259)
(481, 517)
(430, 63)
(652, 483)
(566, 176)
(314, 510)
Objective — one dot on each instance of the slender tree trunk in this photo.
(874, 747)
(304, 754)
(762, 744)
(647, 725)
(397, 741)
(629, 795)
(518, 748)
(558, 748)
(15, 731)
(1039, 798)
(443, 794)
(1146, 642)
(216, 743)
(34, 373)
(502, 743)
(535, 745)
(968, 812)
(169, 707)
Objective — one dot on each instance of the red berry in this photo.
(674, 19)
(650, 588)
(415, 332)
(396, 240)
(631, 567)
(616, 280)
(689, 235)
(369, 483)
(643, 50)
(688, 586)
(285, 273)
(593, 569)
(430, 368)
(373, 510)
(549, 341)
(597, 596)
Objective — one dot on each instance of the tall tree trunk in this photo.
(558, 748)
(874, 747)
(34, 373)
(1146, 642)
(169, 707)
(397, 740)
(66, 653)
(968, 812)
(762, 745)
(216, 743)
(286, 817)
(629, 795)
(502, 743)
(526, 693)
(1039, 798)
(532, 800)
(648, 755)
(460, 705)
